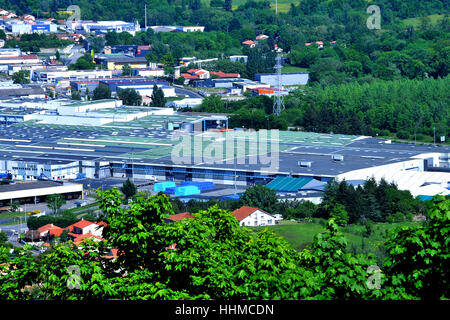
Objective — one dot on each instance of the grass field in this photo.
(288, 68)
(300, 235)
(283, 5)
(415, 22)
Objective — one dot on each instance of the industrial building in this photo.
(147, 90)
(45, 75)
(34, 192)
(287, 79)
(149, 72)
(105, 139)
(99, 27)
(17, 27)
(116, 62)
(178, 28)
(133, 81)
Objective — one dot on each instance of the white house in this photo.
(85, 227)
(254, 217)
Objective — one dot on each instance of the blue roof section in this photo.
(315, 185)
(425, 198)
(232, 196)
(288, 184)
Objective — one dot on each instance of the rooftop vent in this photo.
(337, 157)
(304, 164)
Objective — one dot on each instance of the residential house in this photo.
(196, 74)
(49, 231)
(178, 217)
(318, 43)
(83, 227)
(221, 74)
(262, 37)
(254, 217)
(249, 43)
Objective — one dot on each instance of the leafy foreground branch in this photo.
(212, 257)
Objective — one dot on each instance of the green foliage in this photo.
(158, 99)
(418, 257)
(35, 41)
(101, 92)
(83, 63)
(76, 95)
(129, 97)
(339, 214)
(211, 257)
(61, 220)
(260, 197)
(334, 273)
(378, 202)
(22, 77)
(55, 202)
(129, 189)
(126, 70)
(3, 238)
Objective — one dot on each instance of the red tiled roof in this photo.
(248, 42)
(83, 237)
(45, 228)
(113, 253)
(189, 76)
(52, 230)
(243, 212)
(225, 75)
(180, 216)
(82, 224)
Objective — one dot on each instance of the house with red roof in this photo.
(318, 43)
(262, 37)
(83, 227)
(254, 217)
(196, 74)
(249, 43)
(81, 238)
(221, 74)
(49, 231)
(178, 217)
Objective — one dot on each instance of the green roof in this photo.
(288, 184)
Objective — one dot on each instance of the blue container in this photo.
(170, 190)
(187, 190)
(162, 186)
(232, 196)
(201, 185)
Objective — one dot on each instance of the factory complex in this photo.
(105, 139)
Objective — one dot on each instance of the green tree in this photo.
(15, 206)
(3, 238)
(129, 97)
(228, 5)
(75, 95)
(126, 70)
(339, 214)
(418, 257)
(158, 99)
(21, 77)
(261, 197)
(129, 189)
(101, 92)
(55, 202)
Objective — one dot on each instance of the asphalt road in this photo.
(76, 54)
(180, 92)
